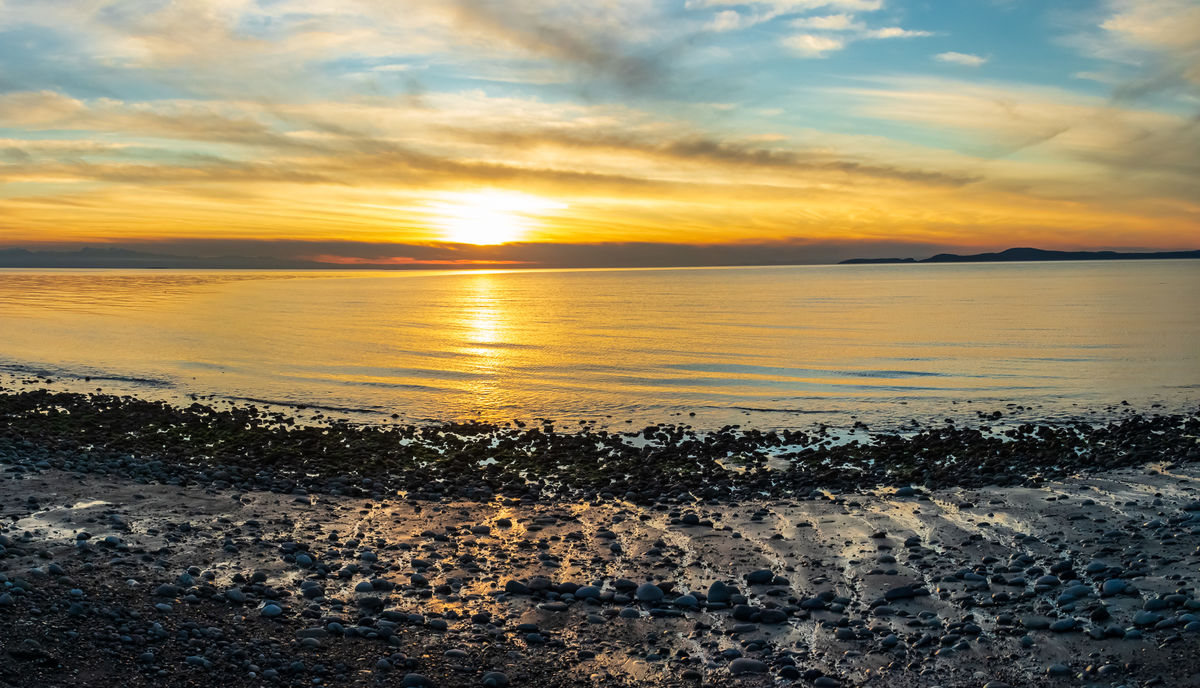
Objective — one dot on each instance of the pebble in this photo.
(649, 592)
(743, 666)
(760, 577)
(494, 679)
(720, 593)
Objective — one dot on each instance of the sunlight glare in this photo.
(489, 217)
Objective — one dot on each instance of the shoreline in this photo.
(246, 448)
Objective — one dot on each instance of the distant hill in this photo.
(1027, 254)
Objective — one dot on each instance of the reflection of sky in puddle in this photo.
(58, 522)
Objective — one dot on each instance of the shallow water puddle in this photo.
(57, 522)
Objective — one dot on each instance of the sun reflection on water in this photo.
(482, 332)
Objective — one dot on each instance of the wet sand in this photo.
(108, 581)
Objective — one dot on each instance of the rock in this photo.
(826, 682)
(772, 616)
(906, 491)
(1145, 618)
(235, 595)
(902, 592)
(760, 577)
(1063, 626)
(1036, 623)
(1077, 592)
(1058, 670)
(720, 593)
(271, 611)
(686, 602)
(587, 592)
(649, 592)
(494, 679)
(516, 587)
(1113, 586)
(415, 681)
(743, 666)
(168, 590)
(370, 603)
(743, 612)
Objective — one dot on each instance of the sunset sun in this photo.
(489, 217)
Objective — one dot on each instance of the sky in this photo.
(453, 131)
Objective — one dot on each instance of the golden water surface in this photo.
(767, 346)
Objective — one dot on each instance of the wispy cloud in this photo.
(965, 59)
(830, 22)
(1157, 42)
(895, 32)
(827, 34)
(768, 10)
(813, 45)
(780, 7)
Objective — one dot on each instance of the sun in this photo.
(489, 217)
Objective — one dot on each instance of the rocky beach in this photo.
(144, 544)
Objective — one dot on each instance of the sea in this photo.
(889, 346)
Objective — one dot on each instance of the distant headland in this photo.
(1027, 254)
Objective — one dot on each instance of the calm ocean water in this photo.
(769, 347)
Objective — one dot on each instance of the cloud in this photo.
(727, 20)
(1156, 43)
(1057, 141)
(813, 45)
(839, 30)
(593, 37)
(202, 46)
(895, 32)
(782, 7)
(768, 10)
(965, 59)
(830, 22)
